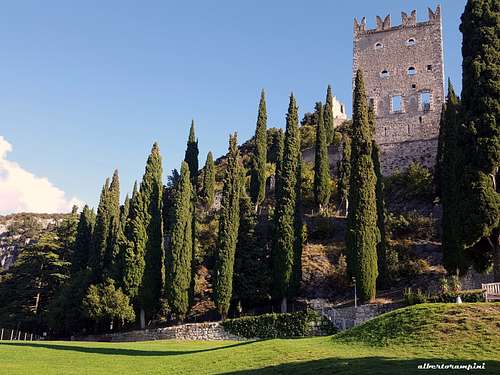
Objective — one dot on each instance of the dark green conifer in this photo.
(383, 273)
(151, 192)
(344, 172)
(362, 234)
(328, 117)
(285, 231)
(101, 232)
(300, 232)
(258, 177)
(481, 113)
(228, 230)
(280, 145)
(251, 266)
(131, 259)
(322, 183)
(124, 212)
(83, 243)
(450, 180)
(113, 211)
(208, 189)
(179, 250)
(191, 156)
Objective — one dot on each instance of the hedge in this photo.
(476, 295)
(297, 324)
(414, 298)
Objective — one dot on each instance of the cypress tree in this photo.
(251, 268)
(113, 212)
(179, 251)
(299, 231)
(208, 190)
(322, 181)
(328, 117)
(383, 277)
(151, 194)
(101, 233)
(191, 158)
(228, 230)
(362, 233)
(135, 190)
(285, 231)
(191, 155)
(83, 242)
(452, 162)
(439, 154)
(258, 179)
(280, 145)
(481, 111)
(345, 171)
(124, 212)
(131, 260)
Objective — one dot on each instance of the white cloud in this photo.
(22, 191)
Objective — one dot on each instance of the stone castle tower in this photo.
(404, 80)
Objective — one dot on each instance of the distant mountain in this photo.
(17, 231)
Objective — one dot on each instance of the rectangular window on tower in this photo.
(396, 104)
(425, 101)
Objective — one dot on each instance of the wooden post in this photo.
(31, 337)
(25, 334)
(1, 335)
(18, 335)
(11, 334)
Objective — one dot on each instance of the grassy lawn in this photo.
(460, 338)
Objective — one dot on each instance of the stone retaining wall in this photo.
(212, 331)
(347, 317)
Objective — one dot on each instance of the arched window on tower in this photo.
(411, 42)
(384, 73)
(413, 104)
(411, 71)
(378, 45)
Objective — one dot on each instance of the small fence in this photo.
(8, 334)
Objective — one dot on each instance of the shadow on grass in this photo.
(369, 366)
(120, 351)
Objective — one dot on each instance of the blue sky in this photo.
(88, 86)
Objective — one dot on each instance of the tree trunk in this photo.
(283, 305)
(143, 318)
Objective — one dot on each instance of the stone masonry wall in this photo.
(347, 317)
(398, 156)
(212, 331)
(385, 55)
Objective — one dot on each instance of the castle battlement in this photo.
(406, 21)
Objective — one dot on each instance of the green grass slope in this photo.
(359, 351)
(468, 327)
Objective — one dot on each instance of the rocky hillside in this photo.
(17, 231)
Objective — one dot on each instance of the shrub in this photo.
(471, 296)
(265, 326)
(414, 298)
(321, 228)
(475, 295)
(411, 225)
(103, 302)
(414, 183)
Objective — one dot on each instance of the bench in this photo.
(491, 291)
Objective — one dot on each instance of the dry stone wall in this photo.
(347, 317)
(211, 331)
(398, 156)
